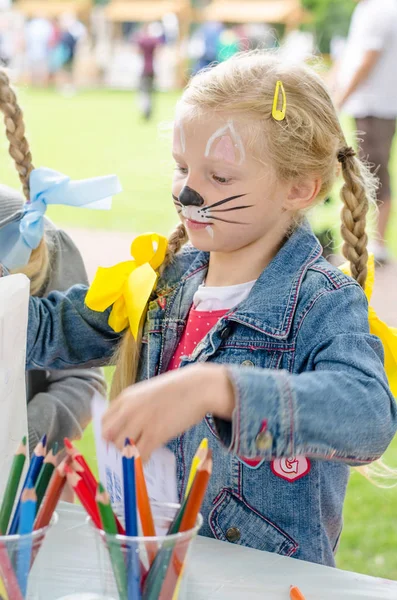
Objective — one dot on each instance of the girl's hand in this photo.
(153, 412)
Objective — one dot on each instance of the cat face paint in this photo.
(190, 204)
(224, 205)
(229, 145)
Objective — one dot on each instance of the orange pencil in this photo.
(295, 593)
(53, 494)
(145, 512)
(193, 506)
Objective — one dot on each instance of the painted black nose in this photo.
(189, 197)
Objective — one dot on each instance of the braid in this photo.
(127, 354)
(356, 194)
(177, 239)
(15, 130)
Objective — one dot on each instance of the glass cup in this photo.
(147, 568)
(20, 564)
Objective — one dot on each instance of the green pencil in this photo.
(109, 526)
(12, 486)
(49, 464)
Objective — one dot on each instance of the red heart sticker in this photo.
(292, 468)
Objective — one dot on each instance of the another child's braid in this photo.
(15, 131)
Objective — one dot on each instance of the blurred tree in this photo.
(330, 18)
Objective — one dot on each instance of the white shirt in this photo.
(221, 298)
(373, 27)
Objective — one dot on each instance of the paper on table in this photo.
(160, 470)
(14, 299)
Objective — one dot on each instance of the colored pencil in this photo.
(26, 521)
(145, 511)
(193, 506)
(197, 459)
(54, 492)
(3, 592)
(12, 486)
(108, 523)
(131, 521)
(8, 574)
(158, 572)
(50, 462)
(87, 475)
(85, 497)
(32, 475)
(295, 593)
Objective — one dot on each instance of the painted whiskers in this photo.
(211, 213)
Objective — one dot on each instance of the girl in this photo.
(59, 402)
(279, 368)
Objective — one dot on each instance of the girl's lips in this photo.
(196, 224)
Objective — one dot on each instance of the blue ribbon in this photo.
(20, 236)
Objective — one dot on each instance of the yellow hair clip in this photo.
(277, 114)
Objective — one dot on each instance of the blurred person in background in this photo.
(148, 39)
(206, 40)
(366, 89)
(72, 32)
(38, 32)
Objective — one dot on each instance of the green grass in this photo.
(100, 132)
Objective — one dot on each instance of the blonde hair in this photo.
(39, 264)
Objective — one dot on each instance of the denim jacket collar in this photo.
(271, 304)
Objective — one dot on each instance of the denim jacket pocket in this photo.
(233, 520)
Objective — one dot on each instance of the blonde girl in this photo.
(249, 337)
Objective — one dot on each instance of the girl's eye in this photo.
(221, 179)
(182, 170)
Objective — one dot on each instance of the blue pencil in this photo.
(26, 522)
(131, 521)
(32, 474)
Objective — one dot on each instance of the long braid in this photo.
(356, 196)
(37, 269)
(127, 354)
(15, 131)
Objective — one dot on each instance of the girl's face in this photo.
(225, 197)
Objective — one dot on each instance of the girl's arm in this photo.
(338, 406)
(63, 332)
(62, 406)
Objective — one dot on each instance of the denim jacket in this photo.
(311, 393)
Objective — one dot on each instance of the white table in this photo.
(228, 572)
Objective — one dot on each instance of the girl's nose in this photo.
(189, 197)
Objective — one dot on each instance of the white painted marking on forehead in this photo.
(238, 142)
(182, 137)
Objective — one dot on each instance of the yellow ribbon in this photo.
(387, 335)
(129, 284)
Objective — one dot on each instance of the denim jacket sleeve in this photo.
(63, 332)
(336, 404)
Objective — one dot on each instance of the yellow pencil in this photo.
(3, 591)
(198, 457)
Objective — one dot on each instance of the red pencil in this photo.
(83, 494)
(53, 494)
(87, 476)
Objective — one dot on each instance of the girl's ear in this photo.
(302, 194)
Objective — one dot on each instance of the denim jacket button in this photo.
(264, 440)
(233, 534)
(226, 332)
(247, 363)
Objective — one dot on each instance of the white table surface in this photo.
(228, 572)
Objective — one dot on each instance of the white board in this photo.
(14, 301)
